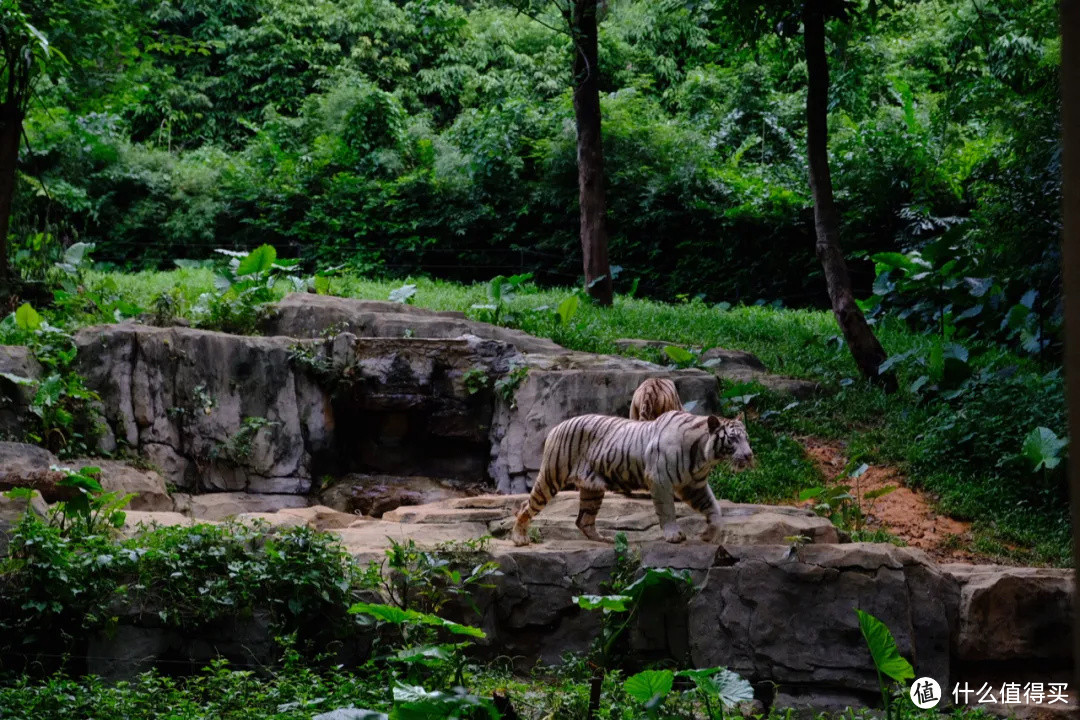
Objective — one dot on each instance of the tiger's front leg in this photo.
(700, 497)
(664, 501)
(589, 500)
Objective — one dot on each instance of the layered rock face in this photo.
(392, 389)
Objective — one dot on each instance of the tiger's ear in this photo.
(714, 422)
(741, 417)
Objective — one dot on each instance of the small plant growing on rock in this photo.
(475, 380)
(507, 386)
(620, 607)
(238, 447)
(844, 509)
(90, 510)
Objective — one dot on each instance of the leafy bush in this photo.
(67, 417)
(58, 588)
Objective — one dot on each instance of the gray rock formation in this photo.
(218, 412)
(15, 397)
(147, 485)
(1013, 613)
(303, 315)
(28, 466)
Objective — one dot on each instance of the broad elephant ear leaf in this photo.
(259, 260)
(1042, 448)
(650, 687)
(883, 650)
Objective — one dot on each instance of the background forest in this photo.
(435, 136)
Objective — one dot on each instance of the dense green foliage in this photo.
(57, 588)
(435, 136)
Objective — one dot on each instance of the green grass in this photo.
(980, 482)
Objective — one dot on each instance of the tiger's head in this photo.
(730, 441)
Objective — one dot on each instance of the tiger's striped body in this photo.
(653, 398)
(669, 456)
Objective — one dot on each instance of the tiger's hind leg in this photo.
(589, 499)
(543, 490)
(701, 498)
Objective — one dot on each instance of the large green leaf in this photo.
(18, 379)
(894, 260)
(649, 687)
(728, 687)
(412, 702)
(397, 616)
(27, 318)
(258, 261)
(608, 603)
(568, 308)
(1042, 448)
(883, 650)
(678, 355)
(657, 576)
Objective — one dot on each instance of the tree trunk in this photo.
(1070, 261)
(590, 152)
(862, 343)
(10, 131)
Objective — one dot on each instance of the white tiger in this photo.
(669, 456)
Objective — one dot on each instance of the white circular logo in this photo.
(925, 693)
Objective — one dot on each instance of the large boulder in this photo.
(1010, 614)
(212, 411)
(219, 506)
(146, 485)
(636, 517)
(28, 466)
(736, 366)
(789, 617)
(365, 494)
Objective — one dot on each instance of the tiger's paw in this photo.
(673, 534)
(590, 532)
(519, 536)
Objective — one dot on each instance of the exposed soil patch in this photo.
(906, 513)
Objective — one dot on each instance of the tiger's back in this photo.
(653, 398)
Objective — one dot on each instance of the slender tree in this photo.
(581, 16)
(582, 25)
(861, 341)
(753, 18)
